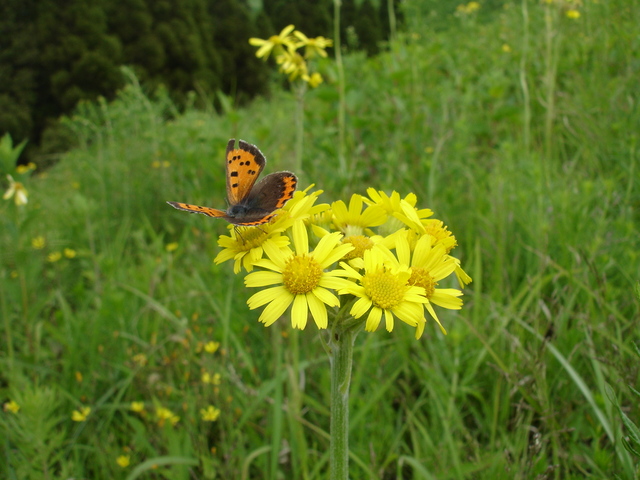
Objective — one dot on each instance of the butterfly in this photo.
(250, 204)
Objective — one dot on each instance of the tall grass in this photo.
(540, 186)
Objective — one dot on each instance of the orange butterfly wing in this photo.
(210, 212)
(244, 165)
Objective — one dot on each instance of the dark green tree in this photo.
(243, 75)
(368, 28)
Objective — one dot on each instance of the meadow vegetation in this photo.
(518, 125)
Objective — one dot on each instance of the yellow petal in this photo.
(299, 312)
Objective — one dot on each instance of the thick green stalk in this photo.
(341, 359)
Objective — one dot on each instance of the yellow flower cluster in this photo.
(467, 9)
(285, 47)
(379, 256)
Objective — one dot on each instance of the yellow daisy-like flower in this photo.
(17, 191)
(401, 211)
(80, 415)
(275, 43)
(211, 347)
(313, 46)
(246, 249)
(384, 288)
(137, 407)
(292, 64)
(353, 220)
(429, 264)
(123, 461)
(300, 278)
(209, 414)
(69, 253)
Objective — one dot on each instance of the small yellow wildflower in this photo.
(137, 407)
(123, 461)
(314, 80)
(69, 253)
(275, 43)
(22, 169)
(140, 359)
(53, 257)
(212, 379)
(80, 415)
(210, 414)
(38, 242)
(313, 46)
(292, 64)
(573, 14)
(506, 48)
(171, 247)
(11, 406)
(164, 414)
(211, 347)
(79, 377)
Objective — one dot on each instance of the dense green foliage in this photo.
(55, 53)
(518, 126)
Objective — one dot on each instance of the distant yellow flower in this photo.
(21, 169)
(17, 191)
(211, 347)
(275, 43)
(137, 407)
(573, 14)
(11, 406)
(140, 359)
(313, 46)
(79, 377)
(54, 257)
(80, 415)
(314, 80)
(163, 414)
(38, 242)
(123, 461)
(292, 64)
(506, 48)
(467, 9)
(171, 247)
(69, 253)
(210, 414)
(212, 379)
(300, 278)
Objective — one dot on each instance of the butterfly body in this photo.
(250, 204)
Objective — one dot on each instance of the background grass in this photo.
(517, 125)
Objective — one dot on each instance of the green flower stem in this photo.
(300, 89)
(341, 360)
